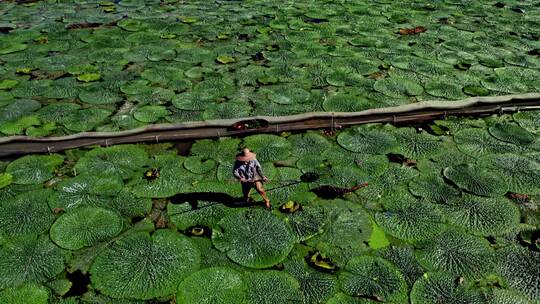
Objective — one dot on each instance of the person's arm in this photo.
(258, 168)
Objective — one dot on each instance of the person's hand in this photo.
(243, 180)
(265, 179)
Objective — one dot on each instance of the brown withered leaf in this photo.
(412, 31)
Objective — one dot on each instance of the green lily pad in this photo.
(374, 277)
(458, 253)
(27, 294)
(477, 180)
(218, 285)
(29, 260)
(26, 213)
(162, 261)
(34, 169)
(398, 87)
(84, 227)
(225, 59)
(5, 180)
(89, 77)
(7, 84)
(150, 113)
(240, 237)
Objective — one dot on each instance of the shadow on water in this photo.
(80, 283)
(221, 198)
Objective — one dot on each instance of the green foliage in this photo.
(199, 165)
(25, 294)
(206, 214)
(415, 145)
(520, 173)
(385, 184)
(85, 190)
(367, 139)
(161, 262)
(457, 253)
(253, 238)
(5, 180)
(85, 226)
(307, 222)
(346, 229)
(411, 220)
(373, 277)
(268, 147)
(272, 286)
(123, 160)
(218, 285)
(504, 296)
(26, 213)
(34, 169)
(29, 260)
(484, 216)
(316, 286)
(150, 114)
(397, 87)
(404, 259)
(173, 178)
(439, 287)
(309, 143)
(476, 179)
(520, 268)
(432, 188)
(85, 119)
(223, 149)
(511, 133)
(529, 120)
(478, 142)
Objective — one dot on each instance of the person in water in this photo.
(248, 170)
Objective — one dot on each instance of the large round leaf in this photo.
(26, 213)
(417, 145)
(217, 285)
(457, 253)
(347, 228)
(520, 173)
(34, 169)
(143, 267)
(398, 87)
(272, 286)
(511, 133)
(85, 226)
(484, 216)
(268, 147)
(404, 259)
(123, 160)
(173, 178)
(520, 268)
(253, 238)
(477, 142)
(368, 140)
(205, 213)
(85, 189)
(440, 287)
(374, 277)
(433, 188)
(316, 286)
(29, 260)
(412, 221)
(25, 294)
(477, 180)
(308, 143)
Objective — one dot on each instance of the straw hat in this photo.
(245, 155)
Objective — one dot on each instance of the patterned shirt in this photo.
(250, 170)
